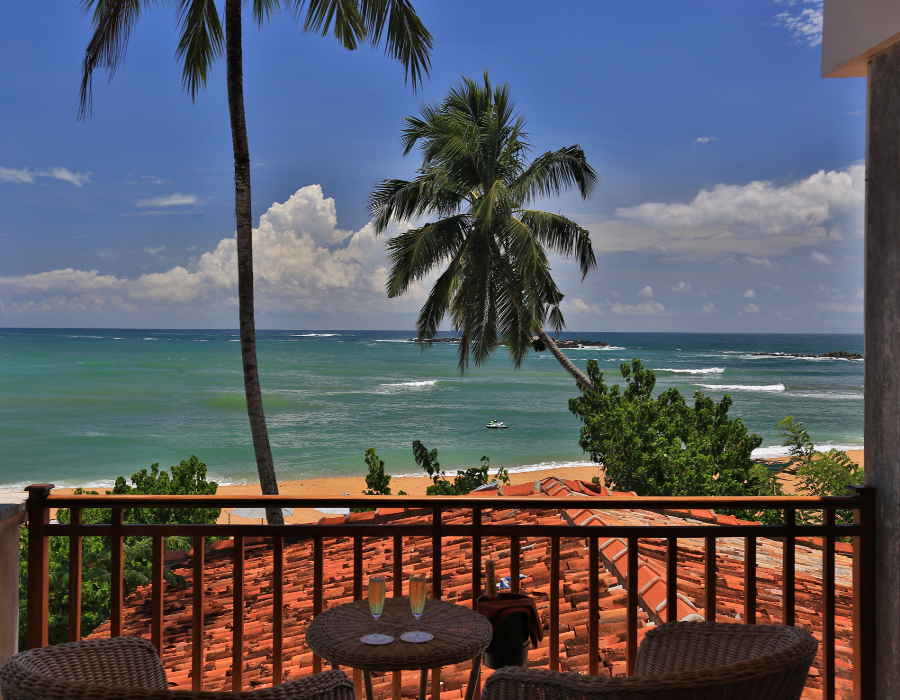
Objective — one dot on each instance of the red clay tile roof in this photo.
(457, 579)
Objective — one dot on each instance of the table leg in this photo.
(423, 684)
(474, 675)
(367, 677)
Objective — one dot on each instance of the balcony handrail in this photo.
(428, 502)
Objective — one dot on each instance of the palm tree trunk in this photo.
(244, 227)
(580, 377)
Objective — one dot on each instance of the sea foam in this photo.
(744, 387)
(774, 451)
(421, 384)
(313, 335)
(704, 370)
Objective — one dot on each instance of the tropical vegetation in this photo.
(186, 478)
(203, 39)
(466, 480)
(664, 446)
(475, 185)
(829, 473)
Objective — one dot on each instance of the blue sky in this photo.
(731, 173)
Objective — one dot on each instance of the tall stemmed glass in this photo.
(377, 590)
(417, 592)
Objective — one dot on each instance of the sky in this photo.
(731, 174)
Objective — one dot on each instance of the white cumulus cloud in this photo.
(26, 176)
(577, 305)
(750, 294)
(820, 258)
(644, 308)
(709, 308)
(802, 19)
(758, 219)
(646, 292)
(682, 287)
(302, 261)
(751, 309)
(176, 199)
(706, 139)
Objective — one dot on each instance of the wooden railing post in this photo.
(864, 603)
(75, 577)
(38, 565)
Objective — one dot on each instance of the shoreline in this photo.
(414, 485)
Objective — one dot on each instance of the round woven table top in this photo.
(459, 634)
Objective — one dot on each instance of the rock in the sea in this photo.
(575, 344)
(842, 355)
(434, 340)
(835, 354)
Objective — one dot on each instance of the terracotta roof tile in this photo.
(457, 580)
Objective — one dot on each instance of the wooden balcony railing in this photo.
(41, 501)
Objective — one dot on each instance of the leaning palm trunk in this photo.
(580, 377)
(244, 228)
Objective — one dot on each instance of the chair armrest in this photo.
(329, 685)
(514, 683)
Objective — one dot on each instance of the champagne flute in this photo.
(417, 592)
(417, 586)
(377, 591)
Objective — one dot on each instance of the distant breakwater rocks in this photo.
(834, 355)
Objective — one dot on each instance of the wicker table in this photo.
(459, 634)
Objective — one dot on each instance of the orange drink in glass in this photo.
(377, 590)
(417, 590)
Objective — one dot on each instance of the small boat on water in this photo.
(496, 425)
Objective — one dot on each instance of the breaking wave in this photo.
(773, 451)
(409, 386)
(744, 387)
(704, 370)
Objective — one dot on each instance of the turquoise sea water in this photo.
(83, 406)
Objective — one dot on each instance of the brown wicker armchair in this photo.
(126, 668)
(683, 661)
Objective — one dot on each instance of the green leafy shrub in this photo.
(465, 481)
(830, 473)
(661, 445)
(185, 478)
(377, 481)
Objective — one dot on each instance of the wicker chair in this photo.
(683, 661)
(126, 668)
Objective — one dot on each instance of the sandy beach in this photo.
(413, 486)
(354, 485)
(416, 485)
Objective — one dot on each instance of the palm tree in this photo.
(496, 283)
(202, 41)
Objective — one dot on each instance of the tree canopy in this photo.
(664, 446)
(476, 184)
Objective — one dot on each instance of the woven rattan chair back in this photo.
(684, 661)
(125, 668)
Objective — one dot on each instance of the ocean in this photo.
(80, 407)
